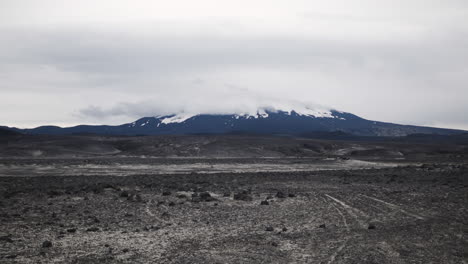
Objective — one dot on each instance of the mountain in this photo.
(305, 122)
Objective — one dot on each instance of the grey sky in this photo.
(71, 62)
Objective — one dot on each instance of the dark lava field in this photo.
(231, 199)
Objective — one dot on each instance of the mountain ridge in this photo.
(270, 122)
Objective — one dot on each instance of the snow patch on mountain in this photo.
(259, 113)
(179, 118)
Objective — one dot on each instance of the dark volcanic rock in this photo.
(196, 199)
(206, 197)
(135, 198)
(6, 238)
(280, 194)
(46, 244)
(243, 196)
(92, 229)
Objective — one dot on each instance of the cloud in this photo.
(397, 63)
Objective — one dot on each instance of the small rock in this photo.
(291, 195)
(46, 244)
(371, 226)
(243, 196)
(284, 229)
(274, 244)
(125, 250)
(280, 194)
(227, 194)
(6, 238)
(135, 198)
(71, 230)
(206, 196)
(171, 204)
(264, 203)
(166, 193)
(124, 194)
(92, 229)
(269, 228)
(322, 226)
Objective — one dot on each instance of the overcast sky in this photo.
(113, 61)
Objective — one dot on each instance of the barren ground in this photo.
(253, 210)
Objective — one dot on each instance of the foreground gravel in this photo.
(406, 214)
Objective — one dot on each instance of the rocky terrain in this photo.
(265, 200)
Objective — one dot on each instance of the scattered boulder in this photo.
(135, 198)
(371, 226)
(6, 238)
(46, 244)
(291, 195)
(284, 229)
(227, 194)
(243, 196)
(269, 229)
(92, 229)
(264, 203)
(280, 194)
(166, 193)
(206, 197)
(274, 244)
(71, 230)
(322, 226)
(124, 194)
(53, 193)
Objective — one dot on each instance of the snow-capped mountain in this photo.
(300, 122)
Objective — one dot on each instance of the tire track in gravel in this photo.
(348, 230)
(394, 207)
(361, 217)
(357, 214)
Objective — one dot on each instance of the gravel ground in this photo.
(405, 214)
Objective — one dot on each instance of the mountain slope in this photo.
(300, 123)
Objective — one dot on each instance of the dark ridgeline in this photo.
(268, 123)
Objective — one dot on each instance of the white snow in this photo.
(317, 112)
(176, 118)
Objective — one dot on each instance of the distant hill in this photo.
(4, 131)
(305, 123)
